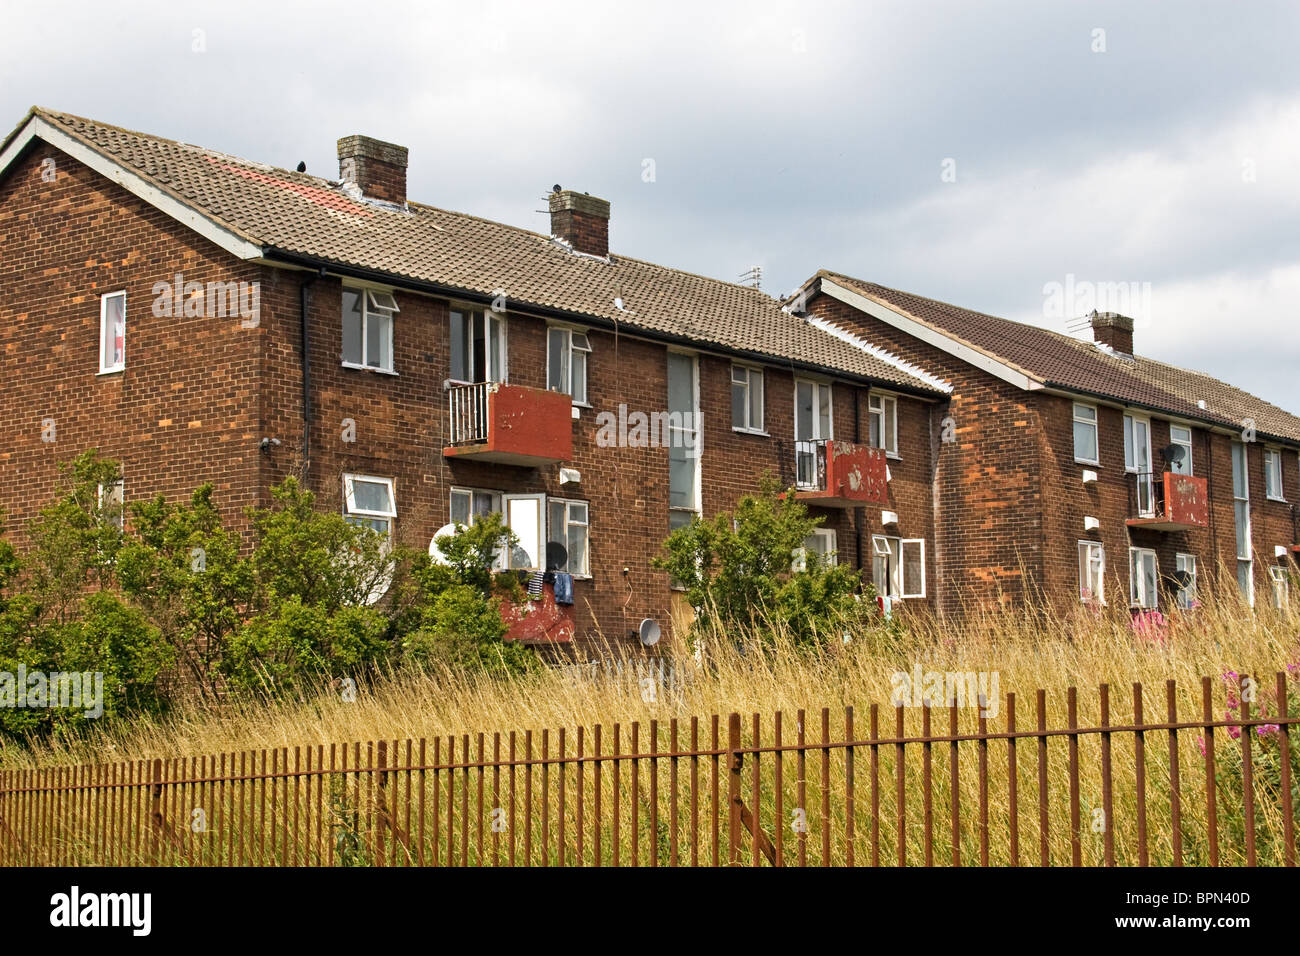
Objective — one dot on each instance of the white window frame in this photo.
(1096, 432)
(1185, 444)
(104, 332)
(1186, 596)
(496, 363)
(750, 373)
(499, 564)
(1088, 551)
(115, 490)
(568, 384)
(1137, 598)
(1273, 468)
(568, 522)
(1243, 529)
(1281, 586)
(350, 509)
(829, 550)
(883, 409)
(382, 306)
(538, 502)
(682, 434)
(892, 549)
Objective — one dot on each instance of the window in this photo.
(369, 503)
(368, 329)
(469, 504)
(812, 426)
(1092, 572)
(822, 543)
(1137, 460)
(683, 440)
(526, 517)
(746, 398)
(1085, 434)
(1185, 578)
(478, 346)
(1142, 579)
(1180, 436)
(883, 412)
(1241, 520)
(112, 504)
(112, 332)
(566, 362)
(567, 526)
(1273, 474)
(898, 566)
(1281, 586)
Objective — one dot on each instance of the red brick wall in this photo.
(185, 409)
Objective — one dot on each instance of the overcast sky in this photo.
(971, 152)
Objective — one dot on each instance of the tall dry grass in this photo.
(1030, 649)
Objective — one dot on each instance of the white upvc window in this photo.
(822, 543)
(898, 566)
(1242, 522)
(470, 504)
(478, 346)
(1281, 582)
(368, 329)
(111, 499)
(568, 526)
(112, 332)
(1180, 436)
(526, 517)
(1085, 434)
(882, 412)
(567, 352)
(1092, 572)
(1273, 475)
(685, 490)
(1185, 569)
(370, 502)
(1144, 575)
(747, 399)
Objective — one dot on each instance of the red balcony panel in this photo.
(539, 622)
(1179, 503)
(841, 474)
(509, 424)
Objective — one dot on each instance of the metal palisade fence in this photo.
(785, 790)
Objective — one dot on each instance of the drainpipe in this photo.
(305, 303)
(859, 514)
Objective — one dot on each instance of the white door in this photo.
(1137, 459)
(812, 424)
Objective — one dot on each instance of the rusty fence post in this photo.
(735, 761)
(381, 815)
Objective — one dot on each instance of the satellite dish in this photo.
(557, 556)
(649, 632)
(1173, 454)
(435, 551)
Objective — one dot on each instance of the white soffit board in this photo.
(40, 128)
(930, 336)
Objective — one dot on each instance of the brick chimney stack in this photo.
(580, 220)
(376, 167)
(1114, 330)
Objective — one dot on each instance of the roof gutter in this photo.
(275, 254)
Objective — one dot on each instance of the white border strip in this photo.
(930, 336)
(876, 351)
(40, 128)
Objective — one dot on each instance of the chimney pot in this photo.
(1113, 330)
(581, 220)
(377, 168)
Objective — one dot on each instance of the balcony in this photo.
(509, 424)
(836, 474)
(1167, 502)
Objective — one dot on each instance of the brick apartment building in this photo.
(203, 318)
(1080, 468)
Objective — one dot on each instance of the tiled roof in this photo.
(1058, 360)
(313, 217)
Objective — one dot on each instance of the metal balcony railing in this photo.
(1146, 494)
(467, 407)
(810, 465)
